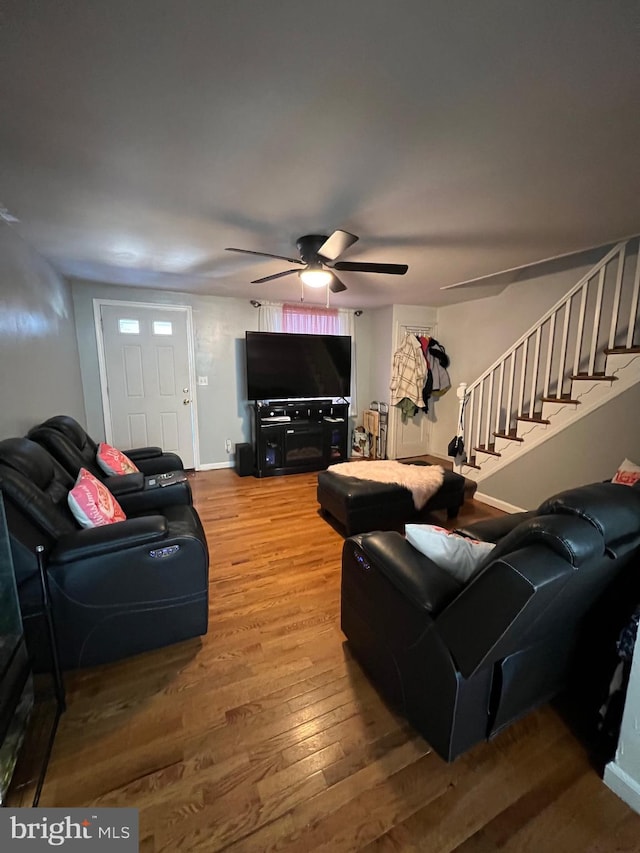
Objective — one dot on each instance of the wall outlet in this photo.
(227, 445)
(203, 380)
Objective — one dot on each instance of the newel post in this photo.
(462, 395)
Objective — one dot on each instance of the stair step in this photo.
(566, 398)
(491, 450)
(471, 463)
(621, 350)
(598, 377)
(536, 419)
(511, 435)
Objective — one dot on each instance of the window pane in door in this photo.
(162, 327)
(129, 327)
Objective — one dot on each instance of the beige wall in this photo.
(588, 451)
(39, 362)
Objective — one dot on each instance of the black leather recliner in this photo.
(79, 449)
(463, 661)
(116, 590)
(70, 446)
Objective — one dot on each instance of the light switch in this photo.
(203, 380)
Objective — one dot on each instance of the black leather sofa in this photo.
(116, 590)
(463, 661)
(79, 449)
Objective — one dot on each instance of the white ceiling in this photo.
(140, 138)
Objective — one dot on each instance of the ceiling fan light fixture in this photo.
(315, 276)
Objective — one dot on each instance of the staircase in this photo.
(581, 353)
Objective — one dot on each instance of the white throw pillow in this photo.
(456, 554)
(628, 473)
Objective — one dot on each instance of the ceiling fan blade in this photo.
(355, 266)
(336, 244)
(335, 285)
(272, 277)
(266, 255)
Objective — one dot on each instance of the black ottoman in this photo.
(364, 505)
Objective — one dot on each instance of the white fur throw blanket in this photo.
(423, 481)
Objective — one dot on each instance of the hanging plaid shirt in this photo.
(409, 372)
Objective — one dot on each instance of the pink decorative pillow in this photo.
(628, 473)
(91, 502)
(113, 461)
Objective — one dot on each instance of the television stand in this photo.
(293, 436)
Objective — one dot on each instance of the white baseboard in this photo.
(213, 466)
(497, 503)
(627, 788)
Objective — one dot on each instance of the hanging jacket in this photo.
(438, 351)
(439, 361)
(409, 372)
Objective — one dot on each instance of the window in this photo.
(129, 327)
(162, 327)
(310, 321)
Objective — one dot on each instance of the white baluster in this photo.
(534, 372)
(583, 306)
(634, 302)
(547, 372)
(616, 297)
(596, 320)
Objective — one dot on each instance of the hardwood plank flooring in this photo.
(266, 736)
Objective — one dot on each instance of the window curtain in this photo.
(347, 326)
(310, 321)
(270, 317)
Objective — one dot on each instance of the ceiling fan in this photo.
(319, 256)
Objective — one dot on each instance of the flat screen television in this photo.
(284, 365)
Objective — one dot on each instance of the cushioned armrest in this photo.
(142, 452)
(125, 484)
(493, 529)
(418, 577)
(108, 538)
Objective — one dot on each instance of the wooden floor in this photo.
(265, 735)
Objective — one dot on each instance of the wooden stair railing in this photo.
(570, 343)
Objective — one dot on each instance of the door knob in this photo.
(186, 401)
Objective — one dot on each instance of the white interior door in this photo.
(412, 438)
(147, 369)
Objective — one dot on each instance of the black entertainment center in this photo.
(295, 436)
(299, 384)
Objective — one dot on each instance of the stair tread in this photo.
(490, 450)
(511, 436)
(598, 377)
(564, 399)
(471, 463)
(622, 350)
(536, 419)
